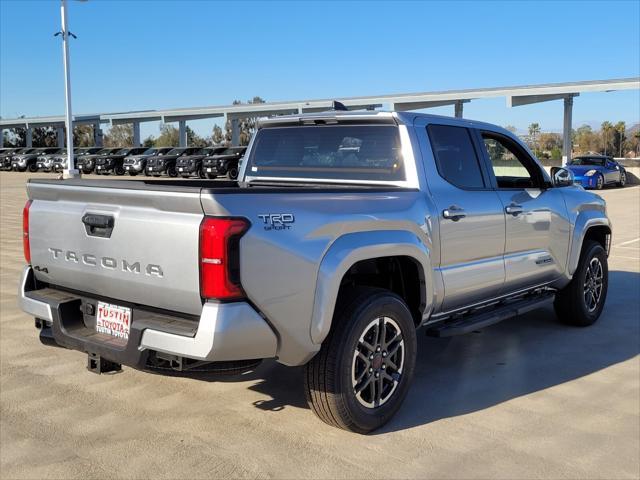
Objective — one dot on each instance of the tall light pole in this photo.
(71, 171)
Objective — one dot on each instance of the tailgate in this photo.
(137, 243)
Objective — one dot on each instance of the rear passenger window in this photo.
(455, 156)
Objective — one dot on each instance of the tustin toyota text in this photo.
(344, 234)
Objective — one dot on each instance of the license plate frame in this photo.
(113, 320)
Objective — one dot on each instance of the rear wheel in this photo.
(580, 303)
(623, 179)
(33, 168)
(119, 170)
(171, 171)
(362, 373)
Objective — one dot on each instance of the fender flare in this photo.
(355, 247)
(586, 219)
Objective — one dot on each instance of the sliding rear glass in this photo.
(331, 152)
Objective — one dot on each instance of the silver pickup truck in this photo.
(345, 234)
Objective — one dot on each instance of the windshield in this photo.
(150, 151)
(344, 152)
(588, 161)
(122, 151)
(176, 151)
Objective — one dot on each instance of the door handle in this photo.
(514, 210)
(453, 213)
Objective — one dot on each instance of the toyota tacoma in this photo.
(346, 233)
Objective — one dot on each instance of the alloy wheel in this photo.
(593, 284)
(378, 361)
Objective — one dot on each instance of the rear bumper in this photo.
(224, 331)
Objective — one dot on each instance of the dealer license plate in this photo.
(150, 168)
(113, 320)
(180, 169)
(209, 170)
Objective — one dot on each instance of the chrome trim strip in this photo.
(437, 316)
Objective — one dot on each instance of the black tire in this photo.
(119, 171)
(211, 176)
(233, 173)
(171, 171)
(623, 179)
(32, 168)
(574, 304)
(133, 174)
(201, 174)
(329, 376)
(599, 182)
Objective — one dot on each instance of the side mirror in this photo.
(561, 177)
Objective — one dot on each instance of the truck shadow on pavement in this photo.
(459, 375)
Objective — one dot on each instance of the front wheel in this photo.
(363, 371)
(233, 173)
(211, 176)
(171, 171)
(580, 303)
(33, 168)
(119, 171)
(599, 182)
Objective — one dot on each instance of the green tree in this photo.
(195, 140)
(169, 136)
(82, 136)
(247, 126)
(534, 131)
(605, 129)
(149, 142)
(119, 136)
(619, 138)
(217, 136)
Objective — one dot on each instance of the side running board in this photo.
(476, 321)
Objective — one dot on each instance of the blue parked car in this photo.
(596, 171)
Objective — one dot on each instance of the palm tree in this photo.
(534, 130)
(606, 128)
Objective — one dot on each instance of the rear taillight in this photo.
(220, 257)
(25, 231)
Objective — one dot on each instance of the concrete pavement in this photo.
(527, 398)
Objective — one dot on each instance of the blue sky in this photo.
(164, 54)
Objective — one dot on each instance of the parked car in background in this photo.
(115, 161)
(87, 163)
(28, 160)
(596, 171)
(6, 155)
(323, 256)
(225, 163)
(192, 164)
(60, 161)
(135, 164)
(166, 164)
(45, 162)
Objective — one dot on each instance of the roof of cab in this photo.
(371, 116)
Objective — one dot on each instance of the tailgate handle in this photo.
(98, 225)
